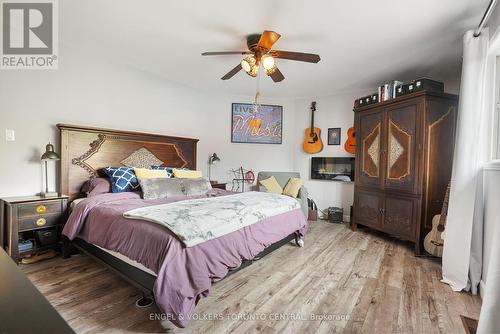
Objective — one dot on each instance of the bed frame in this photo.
(86, 150)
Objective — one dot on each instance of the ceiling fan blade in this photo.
(298, 56)
(267, 39)
(226, 53)
(277, 76)
(231, 73)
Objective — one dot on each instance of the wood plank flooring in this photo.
(342, 281)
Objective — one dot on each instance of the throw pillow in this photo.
(196, 186)
(168, 170)
(144, 173)
(292, 187)
(161, 188)
(122, 179)
(187, 174)
(272, 185)
(96, 186)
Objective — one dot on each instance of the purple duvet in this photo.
(184, 275)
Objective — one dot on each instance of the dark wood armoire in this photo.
(404, 154)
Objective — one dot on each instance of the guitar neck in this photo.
(444, 210)
(313, 109)
(312, 120)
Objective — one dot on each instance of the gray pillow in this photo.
(193, 187)
(161, 187)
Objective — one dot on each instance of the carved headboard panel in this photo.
(85, 151)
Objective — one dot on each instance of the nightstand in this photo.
(219, 185)
(34, 219)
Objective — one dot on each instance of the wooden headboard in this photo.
(86, 150)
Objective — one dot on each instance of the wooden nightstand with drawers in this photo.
(35, 220)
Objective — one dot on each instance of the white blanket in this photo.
(199, 220)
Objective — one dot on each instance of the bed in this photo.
(148, 255)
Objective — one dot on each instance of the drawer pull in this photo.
(41, 222)
(41, 209)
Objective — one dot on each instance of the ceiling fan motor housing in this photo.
(253, 41)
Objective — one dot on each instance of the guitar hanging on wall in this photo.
(312, 141)
(350, 143)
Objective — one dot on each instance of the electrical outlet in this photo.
(10, 135)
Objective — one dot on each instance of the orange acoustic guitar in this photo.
(350, 143)
(312, 141)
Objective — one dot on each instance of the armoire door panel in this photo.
(400, 216)
(400, 153)
(368, 208)
(369, 141)
(440, 129)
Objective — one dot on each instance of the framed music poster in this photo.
(261, 124)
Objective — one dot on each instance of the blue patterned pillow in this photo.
(122, 179)
(169, 170)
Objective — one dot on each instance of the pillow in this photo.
(161, 188)
(144, 173)
(292, 187)
(271, 185)
(168, 170)
(194, 187)
(96, 186)
(187, 174)
(122, 179)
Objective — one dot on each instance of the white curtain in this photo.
(463, 247)
(462, 254)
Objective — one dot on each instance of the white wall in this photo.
(98, 93)
(332, 112)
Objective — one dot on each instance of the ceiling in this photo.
(361, 43)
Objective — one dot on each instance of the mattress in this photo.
(127, 260)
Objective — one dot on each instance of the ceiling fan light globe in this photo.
(245, 66)
(248, 63)
(253, 71)
(268, 62)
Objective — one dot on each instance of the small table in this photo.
(219, 185)
(23, 308)
(26, 216)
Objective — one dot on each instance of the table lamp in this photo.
(212, 160)
(49, 154)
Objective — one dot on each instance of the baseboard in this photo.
(347, 218)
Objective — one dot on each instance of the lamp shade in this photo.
(214, 158)
(50, 154)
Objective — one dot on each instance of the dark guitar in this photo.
(434, 240)
(312, 141)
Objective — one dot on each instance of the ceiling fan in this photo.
(259, 51)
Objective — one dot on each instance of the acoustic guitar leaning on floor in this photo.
(434, 240)
(312, 141)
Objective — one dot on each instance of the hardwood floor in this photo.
(359, 282)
